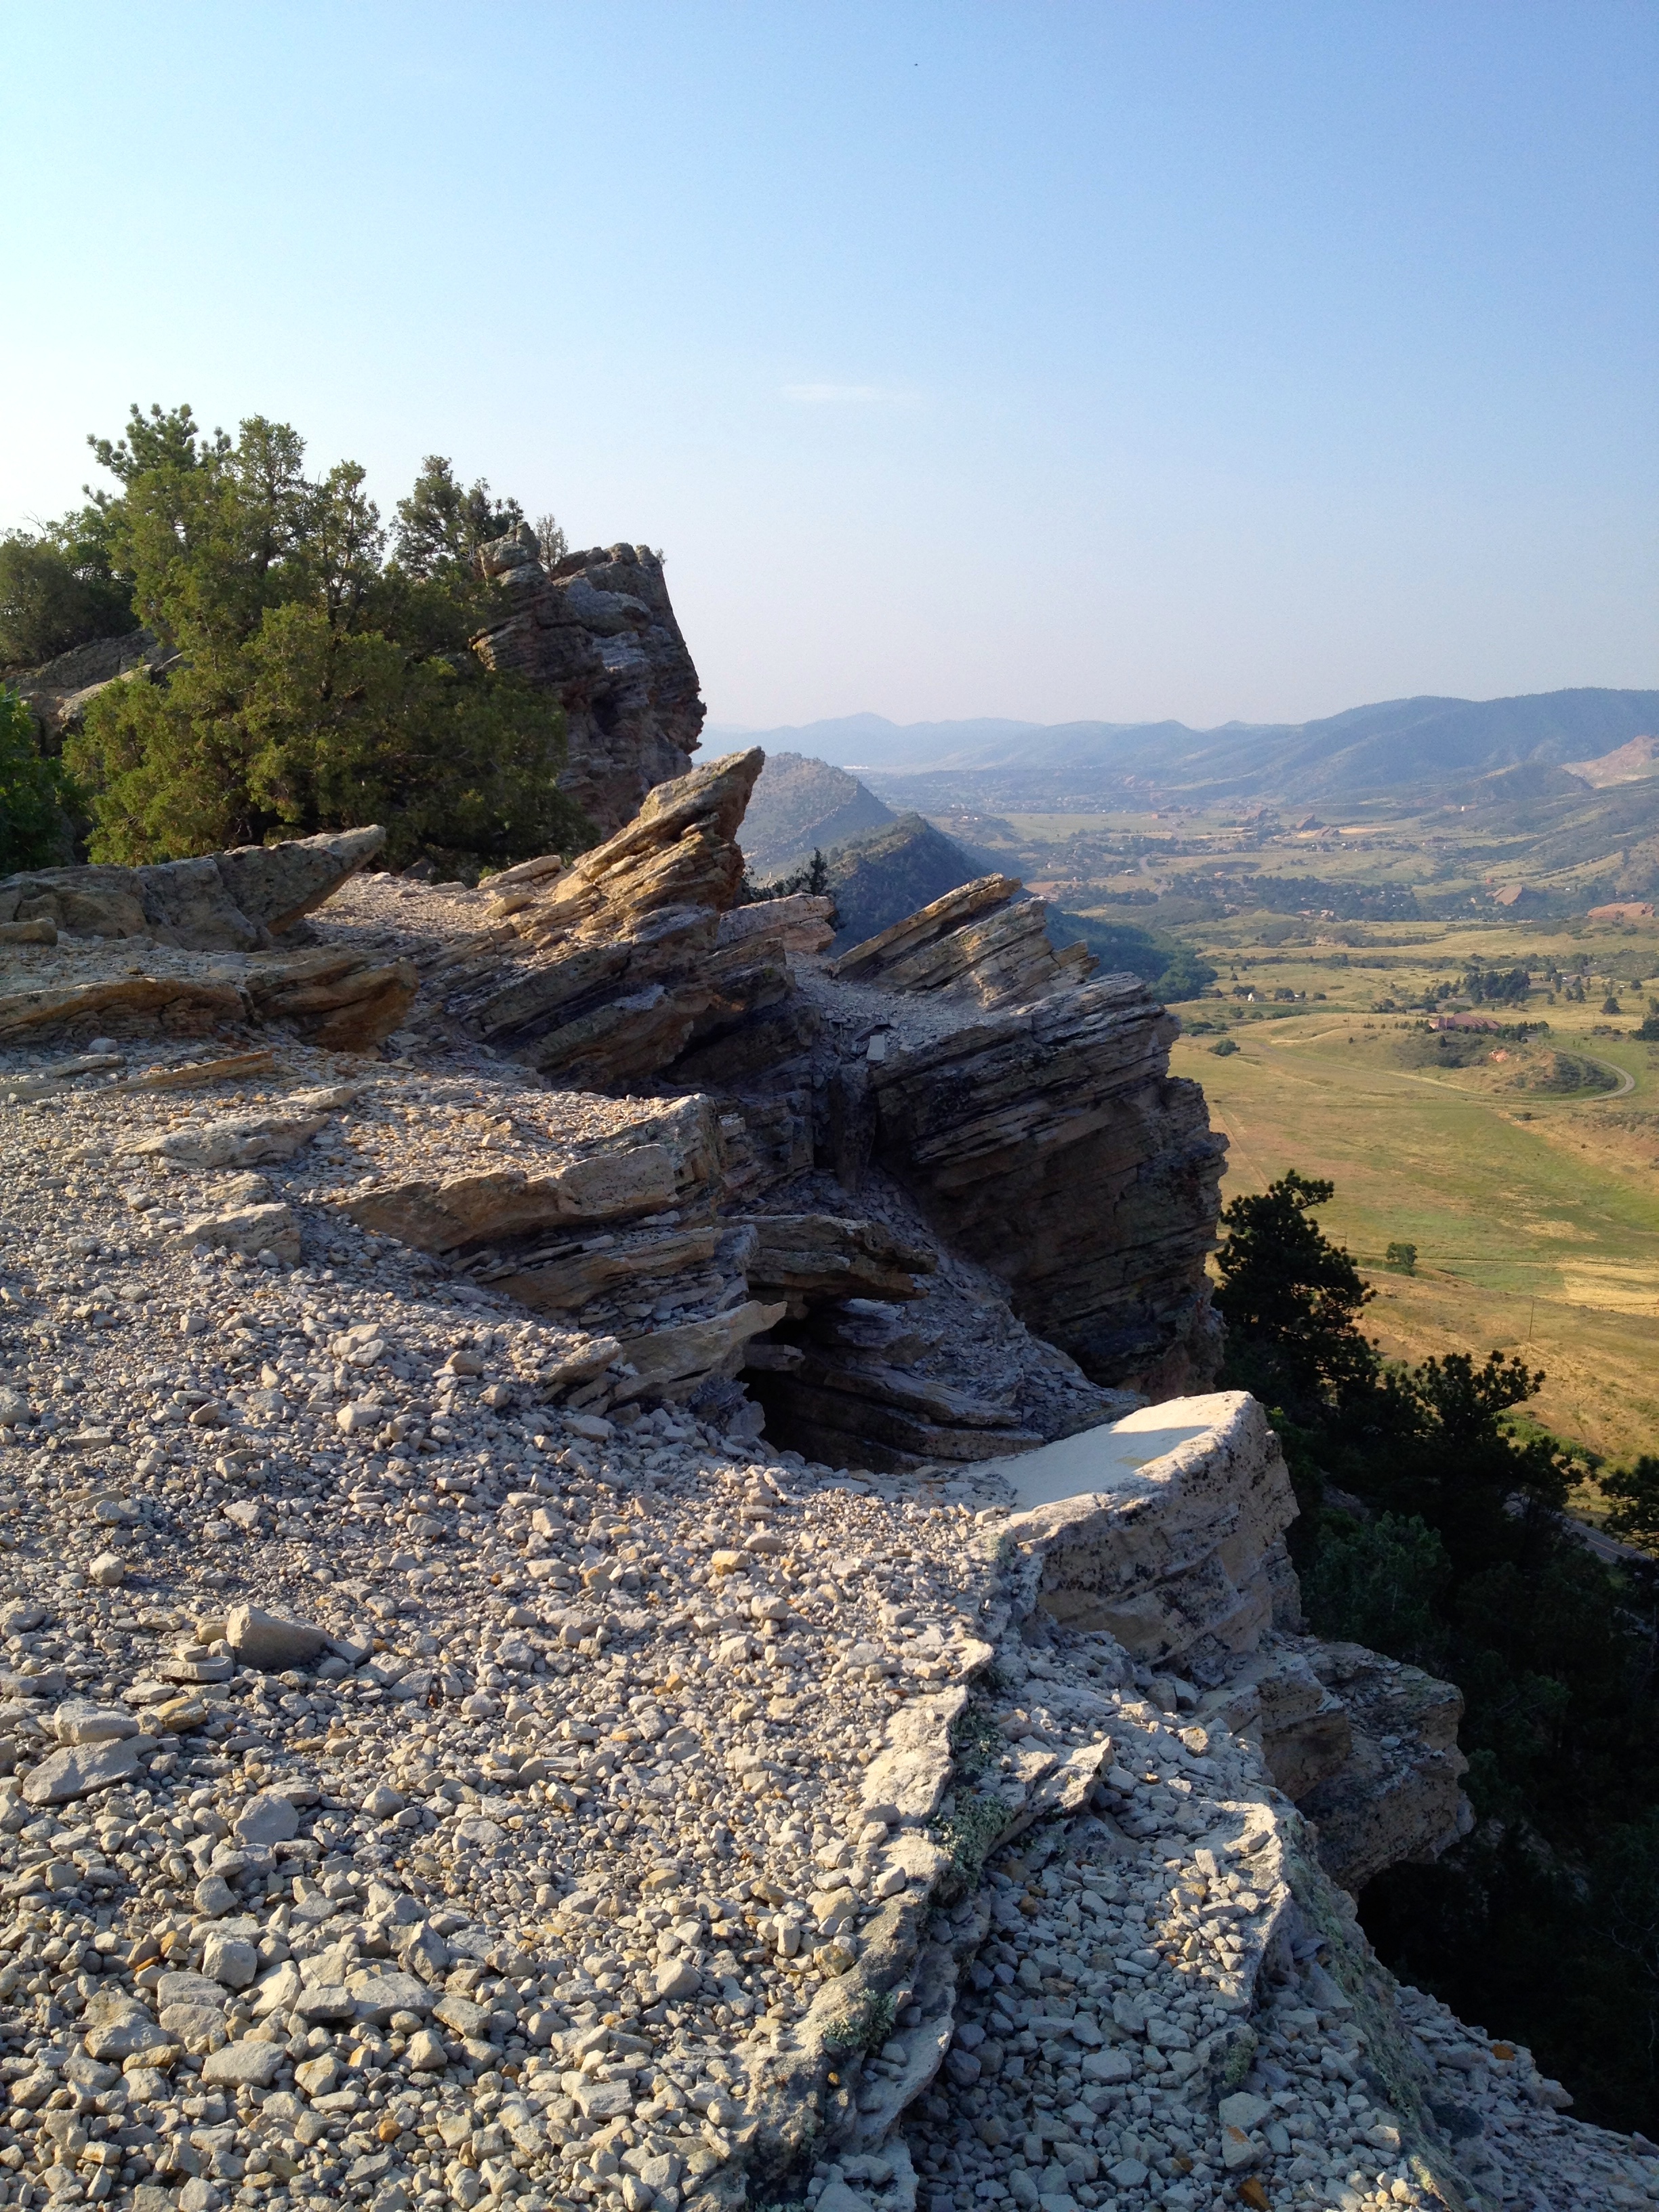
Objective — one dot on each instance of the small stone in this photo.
(117, 2026)
(251, 2065)
(1242, 2109)
(379, 1996)
(426, 2053)
(79, 1722)
(230, 1959)
(675, 1979)
(268, 1818)
(382, 1803)
(78, 1770)
(214, 1897)
(108, 1571)
(1238, 2151)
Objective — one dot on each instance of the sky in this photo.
(1040, 359)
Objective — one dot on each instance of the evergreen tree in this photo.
(318, 684)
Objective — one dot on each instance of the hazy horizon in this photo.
(1219, 363)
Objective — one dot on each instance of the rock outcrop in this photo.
(597, 630)
(823, 1825)
(984, 942)
(1051, 1144)
(233, 902)
(58, 691)
(1166, 1531)
(1029, 1117)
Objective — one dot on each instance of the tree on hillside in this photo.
(440, 525)
(1290, 1298)
(34, 829)
(57, 590)
(319, 684)
(1458, 1557)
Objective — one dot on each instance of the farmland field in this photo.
(1534, 1214)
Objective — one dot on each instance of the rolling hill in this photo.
(1413, 746)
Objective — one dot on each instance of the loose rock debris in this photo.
(422, 1788)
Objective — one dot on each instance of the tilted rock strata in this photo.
(603, 979)
(224, 901)
(1052, 1144)
(339, 1000)
(985, 942)
(598, 631)
(673, 1927)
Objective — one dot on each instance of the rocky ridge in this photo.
(597, 629)
(422, 1790)
(452, 1756)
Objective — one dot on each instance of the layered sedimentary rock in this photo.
(1166, 1532)
(233, 902)
(597, 630)
(342, 999)
(603, 978)
(1042, 1139)
(1051, 1143)
(985, 942)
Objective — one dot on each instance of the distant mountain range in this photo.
(1415, 745)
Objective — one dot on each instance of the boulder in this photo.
(81, 1721)
(230, 902)
(599, 632)
(270, 1642)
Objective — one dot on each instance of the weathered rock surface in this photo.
(58, 691)
(1051, 1144)
(985, 942)
(1396, 1796)
(657, 1796)
(338, 999)
(603, 979)
(1166, 1531)
(598, 631)
(230, 902)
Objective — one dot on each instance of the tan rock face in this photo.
(984, 943)
(598, 631)
(602, 981)
(223, 902)
(670, 1152)
(336, 1000)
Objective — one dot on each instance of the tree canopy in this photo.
(314, 676)
(1432, 1528)
(34, 829)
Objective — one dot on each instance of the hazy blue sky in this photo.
(1038, 360)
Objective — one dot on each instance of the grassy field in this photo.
(1526, 1171)
(1535, 1218)
(1534, 1212)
